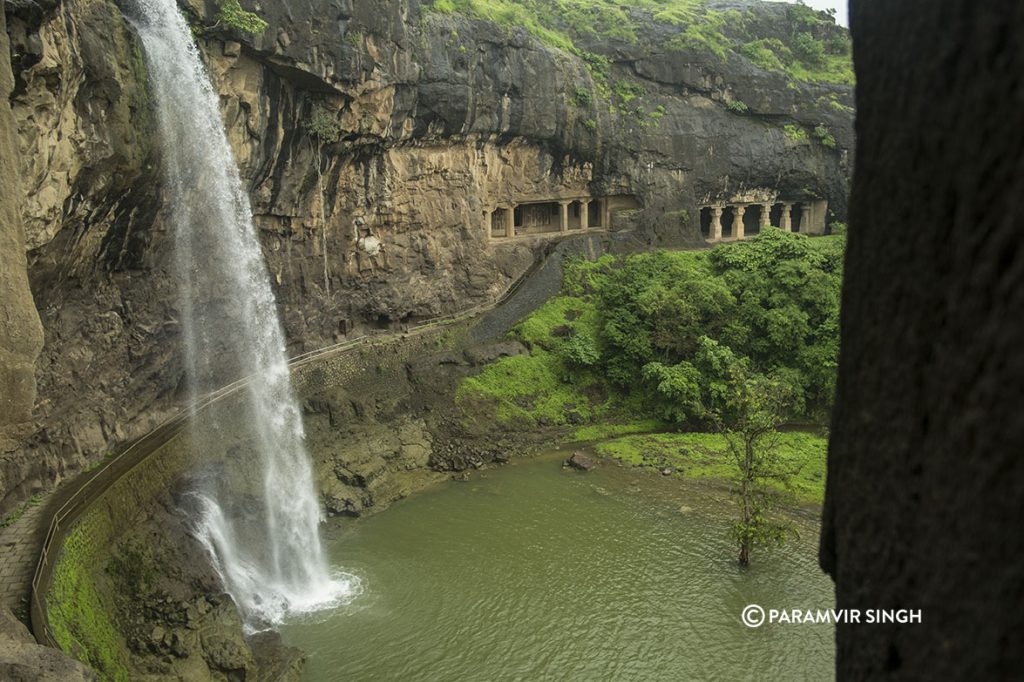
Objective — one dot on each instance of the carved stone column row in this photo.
(739, 211)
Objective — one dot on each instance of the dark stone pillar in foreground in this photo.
(925, 499)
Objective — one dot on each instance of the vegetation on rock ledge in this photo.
(231, 14)
(814, 49)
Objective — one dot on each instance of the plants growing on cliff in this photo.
(805, 58)
(323, 125)
(323, 128)
(737, 107)
(232, 15)
(627, 91)
(795, 132)
(581, 97)
(825, 137)
(808, 49)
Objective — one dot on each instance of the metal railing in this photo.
(72, 501)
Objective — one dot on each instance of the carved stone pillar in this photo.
(510, 221)
(737, 222)
(786, 223)
(715, 233)
(565, 216)
(766, 216)
(584, 214)
(805, 219)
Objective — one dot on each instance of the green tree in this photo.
(756, 407)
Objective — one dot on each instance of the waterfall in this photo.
(266, 550)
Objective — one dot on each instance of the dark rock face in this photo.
(925, 477)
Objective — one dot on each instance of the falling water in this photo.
(268, 552)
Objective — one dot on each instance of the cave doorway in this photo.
(728, 221)
(575, 215)
(499, 223)
(752, 220)
(797, 218)
(595, 214)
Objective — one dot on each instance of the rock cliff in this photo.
(21, 335)
(374, 137)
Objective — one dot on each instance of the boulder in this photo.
(580, 461)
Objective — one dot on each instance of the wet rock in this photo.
(579, 461)
(22, 659)
(668, 471)
(227, 653)
(275, 660)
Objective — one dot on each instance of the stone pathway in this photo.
(20, 544)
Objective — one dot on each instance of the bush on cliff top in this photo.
(231, 14)
(818, 50)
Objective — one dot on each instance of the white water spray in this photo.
(267, 553)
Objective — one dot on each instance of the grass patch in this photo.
(705, 455)
(817, 50)
(529, 390)
(806, 58)
(606, 431)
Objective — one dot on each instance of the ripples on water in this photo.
(534, 573)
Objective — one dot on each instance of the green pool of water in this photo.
(533, 573)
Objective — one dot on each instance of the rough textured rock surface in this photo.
(22, 660)
(21, 335)
(438, 118)
(925, 476)
(177, 621)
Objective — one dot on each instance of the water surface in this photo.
(533, 573)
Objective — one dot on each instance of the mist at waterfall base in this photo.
(266, 548)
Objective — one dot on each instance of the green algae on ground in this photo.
(80, 621)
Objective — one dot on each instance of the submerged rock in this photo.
(579, 461)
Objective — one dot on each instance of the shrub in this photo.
(737, 107)
(231, 14)
(582, 97)
(808, 49)
(825, 137)
(323, 125)
(795, 132)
